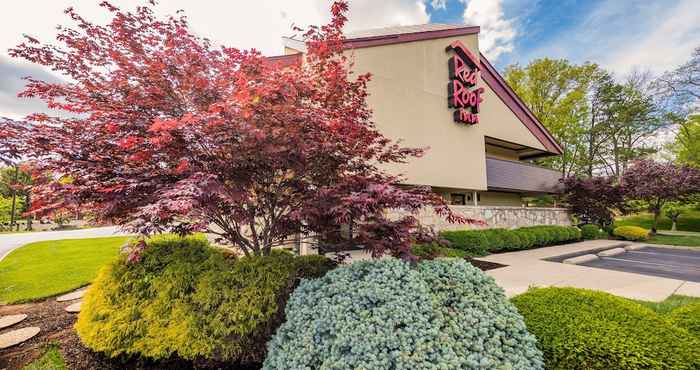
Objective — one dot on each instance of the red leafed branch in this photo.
(10, 140)
(168, 133)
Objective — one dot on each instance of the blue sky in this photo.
(620, 35)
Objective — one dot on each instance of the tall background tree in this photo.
(603, 124)
(683, 83)
(555, 91)
(167, 133)
(686, 146)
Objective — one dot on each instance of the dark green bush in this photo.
(496, 239)
(473, 242)
(583, 329)
(512, 241)
(589, 232)
(480, 242)
(389, 314)
(687, 317)
(527, 238)
(188, 300)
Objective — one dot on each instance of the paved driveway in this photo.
(528, 268)
(8, 242)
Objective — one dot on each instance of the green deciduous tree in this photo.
(686, 146)
(600, 122)
(555, 91)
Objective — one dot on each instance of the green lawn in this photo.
(669, 304)
(681, 240)
(688, 221)
(48, 268)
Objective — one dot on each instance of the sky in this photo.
(620, 35)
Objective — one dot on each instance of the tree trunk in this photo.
(673, 225)
(656, 222)
(14, 199)
(27, 200)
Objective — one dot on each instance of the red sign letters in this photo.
(464, 73)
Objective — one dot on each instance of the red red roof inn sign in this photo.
(461, 95)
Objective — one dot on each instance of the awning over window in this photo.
(521, 177)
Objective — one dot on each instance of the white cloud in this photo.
(665, 45)
(497, 32)
(624, 36)
(439, 4)
(366, 14)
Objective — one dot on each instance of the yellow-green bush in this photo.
(187, 299)
(632, 233)
(687, 317)
(580, 329)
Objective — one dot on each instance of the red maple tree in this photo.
(657, 183)
(10, 140)
(168, 133)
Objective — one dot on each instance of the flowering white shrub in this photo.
(440, 314)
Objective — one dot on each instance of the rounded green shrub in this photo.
(431, 251)
(541, 236)
(584, 329)
(388, 314)
(632, 233)
(527, 238)
(687, 317)
(473, 242)
(589, 232)
(511, 240)
(574, 233)
(495, 239)
(189, 300)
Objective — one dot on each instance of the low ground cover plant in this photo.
(189, 300)
(687, 317)
(482, 242)
(631, 233)
(389, 314)
(584, 329)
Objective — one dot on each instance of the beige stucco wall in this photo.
(408, 94)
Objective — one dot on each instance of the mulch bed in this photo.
(484, 265)
(57, 328)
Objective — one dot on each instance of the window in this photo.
(457, 199)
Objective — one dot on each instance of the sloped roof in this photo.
(401, 34)
(401, 30)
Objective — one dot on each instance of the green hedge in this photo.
(481, 242)
(431, 251)
(389, 314)
(583, 329)
(473, 242)
(589, 232)
(687, 317)
(189, 300)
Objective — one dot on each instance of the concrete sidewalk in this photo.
(527, 269)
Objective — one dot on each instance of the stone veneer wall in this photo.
(499, 216)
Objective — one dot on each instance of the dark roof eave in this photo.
(516, 105)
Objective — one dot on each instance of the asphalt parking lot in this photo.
(674, 263)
